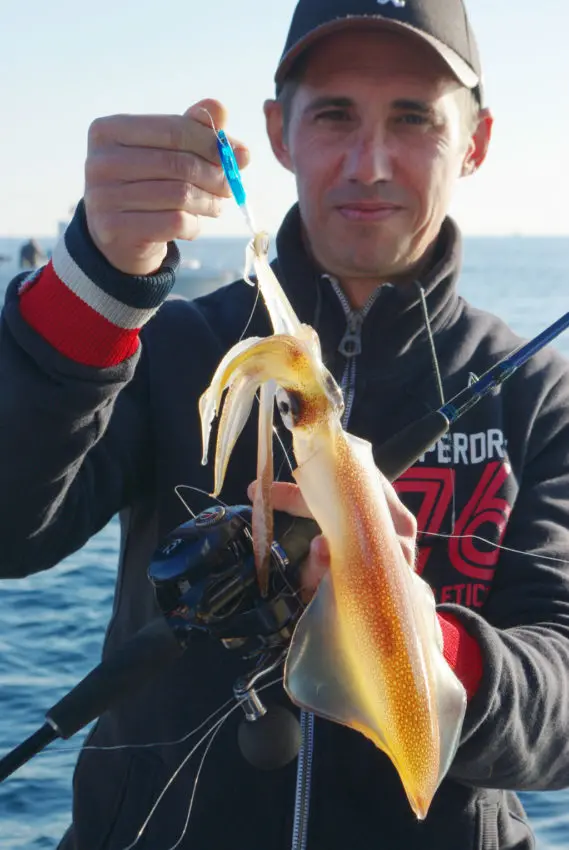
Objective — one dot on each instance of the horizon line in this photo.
(272, 236)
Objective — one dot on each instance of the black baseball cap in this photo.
(441, 23)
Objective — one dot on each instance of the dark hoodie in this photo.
(93, 424)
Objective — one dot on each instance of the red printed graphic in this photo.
(485, 507)
(436, 485)
(468, 595)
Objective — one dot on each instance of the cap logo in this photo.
(398, 3)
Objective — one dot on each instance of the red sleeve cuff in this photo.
(73, 327)
(85, 308)
(462, 653)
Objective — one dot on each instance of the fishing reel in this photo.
(206, 586)
(205, 583)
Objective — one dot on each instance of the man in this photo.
(31, 255)
(379, 112)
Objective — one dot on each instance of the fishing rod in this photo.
(399, 453)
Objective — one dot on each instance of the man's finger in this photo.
(320, 550)
(153, 196)
(138, 228)
(404, 521)
(164, 132)
(285, 497)
(314, 567)
(116, 166)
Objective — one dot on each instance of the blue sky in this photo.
(64, 63)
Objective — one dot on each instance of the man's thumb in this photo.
(320, 550)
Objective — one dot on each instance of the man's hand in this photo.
(147, 180)
(287, 497)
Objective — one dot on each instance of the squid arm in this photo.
(263, 524)
(241, 393)
(244, 369)
(282, 315)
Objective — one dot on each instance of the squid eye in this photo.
(290, 407)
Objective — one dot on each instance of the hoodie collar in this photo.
(395, 326)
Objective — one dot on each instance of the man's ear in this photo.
(275, 130)
(479, 143)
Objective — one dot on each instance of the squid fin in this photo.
(318, 677)
(449, 692)
(317, 674)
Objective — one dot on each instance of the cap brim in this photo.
(461, 69)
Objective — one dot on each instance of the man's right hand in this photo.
(148, 178)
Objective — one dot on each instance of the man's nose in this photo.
(369, 159)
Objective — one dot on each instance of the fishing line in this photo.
(183, 501)
(201, 492)
(213, 729)
(186, 737)
(217, 725)
(495, 545)
(192, 798)
(250, 319)
(285, 452)
(147, 745)
(208, 113)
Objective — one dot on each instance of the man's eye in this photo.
(413, 118)
(332, 115)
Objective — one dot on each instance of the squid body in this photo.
(367, 651)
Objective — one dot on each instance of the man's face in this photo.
(376, 141)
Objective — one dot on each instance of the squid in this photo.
(367, 651)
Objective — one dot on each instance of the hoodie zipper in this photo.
(350, 347)
(303, 777)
